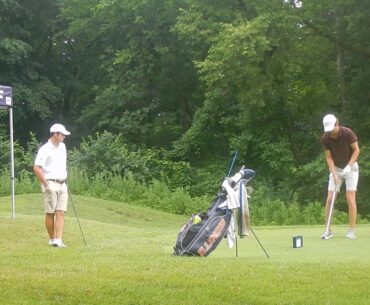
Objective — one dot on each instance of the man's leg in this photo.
(59, 224)
(351, 187)
(49, 224)
(50, 199)
(352, 208)
(328, 205)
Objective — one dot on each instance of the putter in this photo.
(330, 215)
(78, 221)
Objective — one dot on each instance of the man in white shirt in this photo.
(50, 168)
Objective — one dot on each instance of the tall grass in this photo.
(158, 195)
(25, 183)
(155, 195)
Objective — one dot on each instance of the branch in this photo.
(346, 46)
(360, 51)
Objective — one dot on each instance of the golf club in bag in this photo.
(202, 233)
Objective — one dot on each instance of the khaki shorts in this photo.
(351, 179)
(55, 197)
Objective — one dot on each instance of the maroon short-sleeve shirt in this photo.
(340, 147)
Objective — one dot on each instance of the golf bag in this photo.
(202, 233)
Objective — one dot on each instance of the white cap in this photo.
(59, 128)
(329, 122)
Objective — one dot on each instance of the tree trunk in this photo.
(340, 67)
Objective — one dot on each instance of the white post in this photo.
(12, 159)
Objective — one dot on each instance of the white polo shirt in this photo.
(53, 160)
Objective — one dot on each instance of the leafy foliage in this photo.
(146, 79)
(108, 154)
(183, 83)
(23, 157)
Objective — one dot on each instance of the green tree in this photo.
(27, 61)
(137, 77)
(268, 80)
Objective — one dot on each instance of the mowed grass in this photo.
(128, 260)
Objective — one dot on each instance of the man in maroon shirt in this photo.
(341, 152)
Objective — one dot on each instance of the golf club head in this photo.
(327, 235)
(248, 174)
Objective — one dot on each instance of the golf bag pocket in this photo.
(202, 238)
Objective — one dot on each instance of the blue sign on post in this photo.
(6, 96)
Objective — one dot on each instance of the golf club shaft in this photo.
(232, 163)
(328, 221)
(78, 221)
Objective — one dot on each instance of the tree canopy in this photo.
(197, 78)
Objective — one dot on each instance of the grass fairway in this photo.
(128, 260)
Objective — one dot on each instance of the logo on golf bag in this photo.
(212, 238)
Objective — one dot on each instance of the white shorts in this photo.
(351, 179)
(55, 197)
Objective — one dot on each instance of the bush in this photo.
(107, 154)
(105, 167)
(178, 201)
(23, 158)
(313, 213)
(157, 195)
(5, 183)
(24, 184)
(27, 183)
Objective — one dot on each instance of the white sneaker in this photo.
(51, 241)
(326, 235)
(58, 243)
(351, 234)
